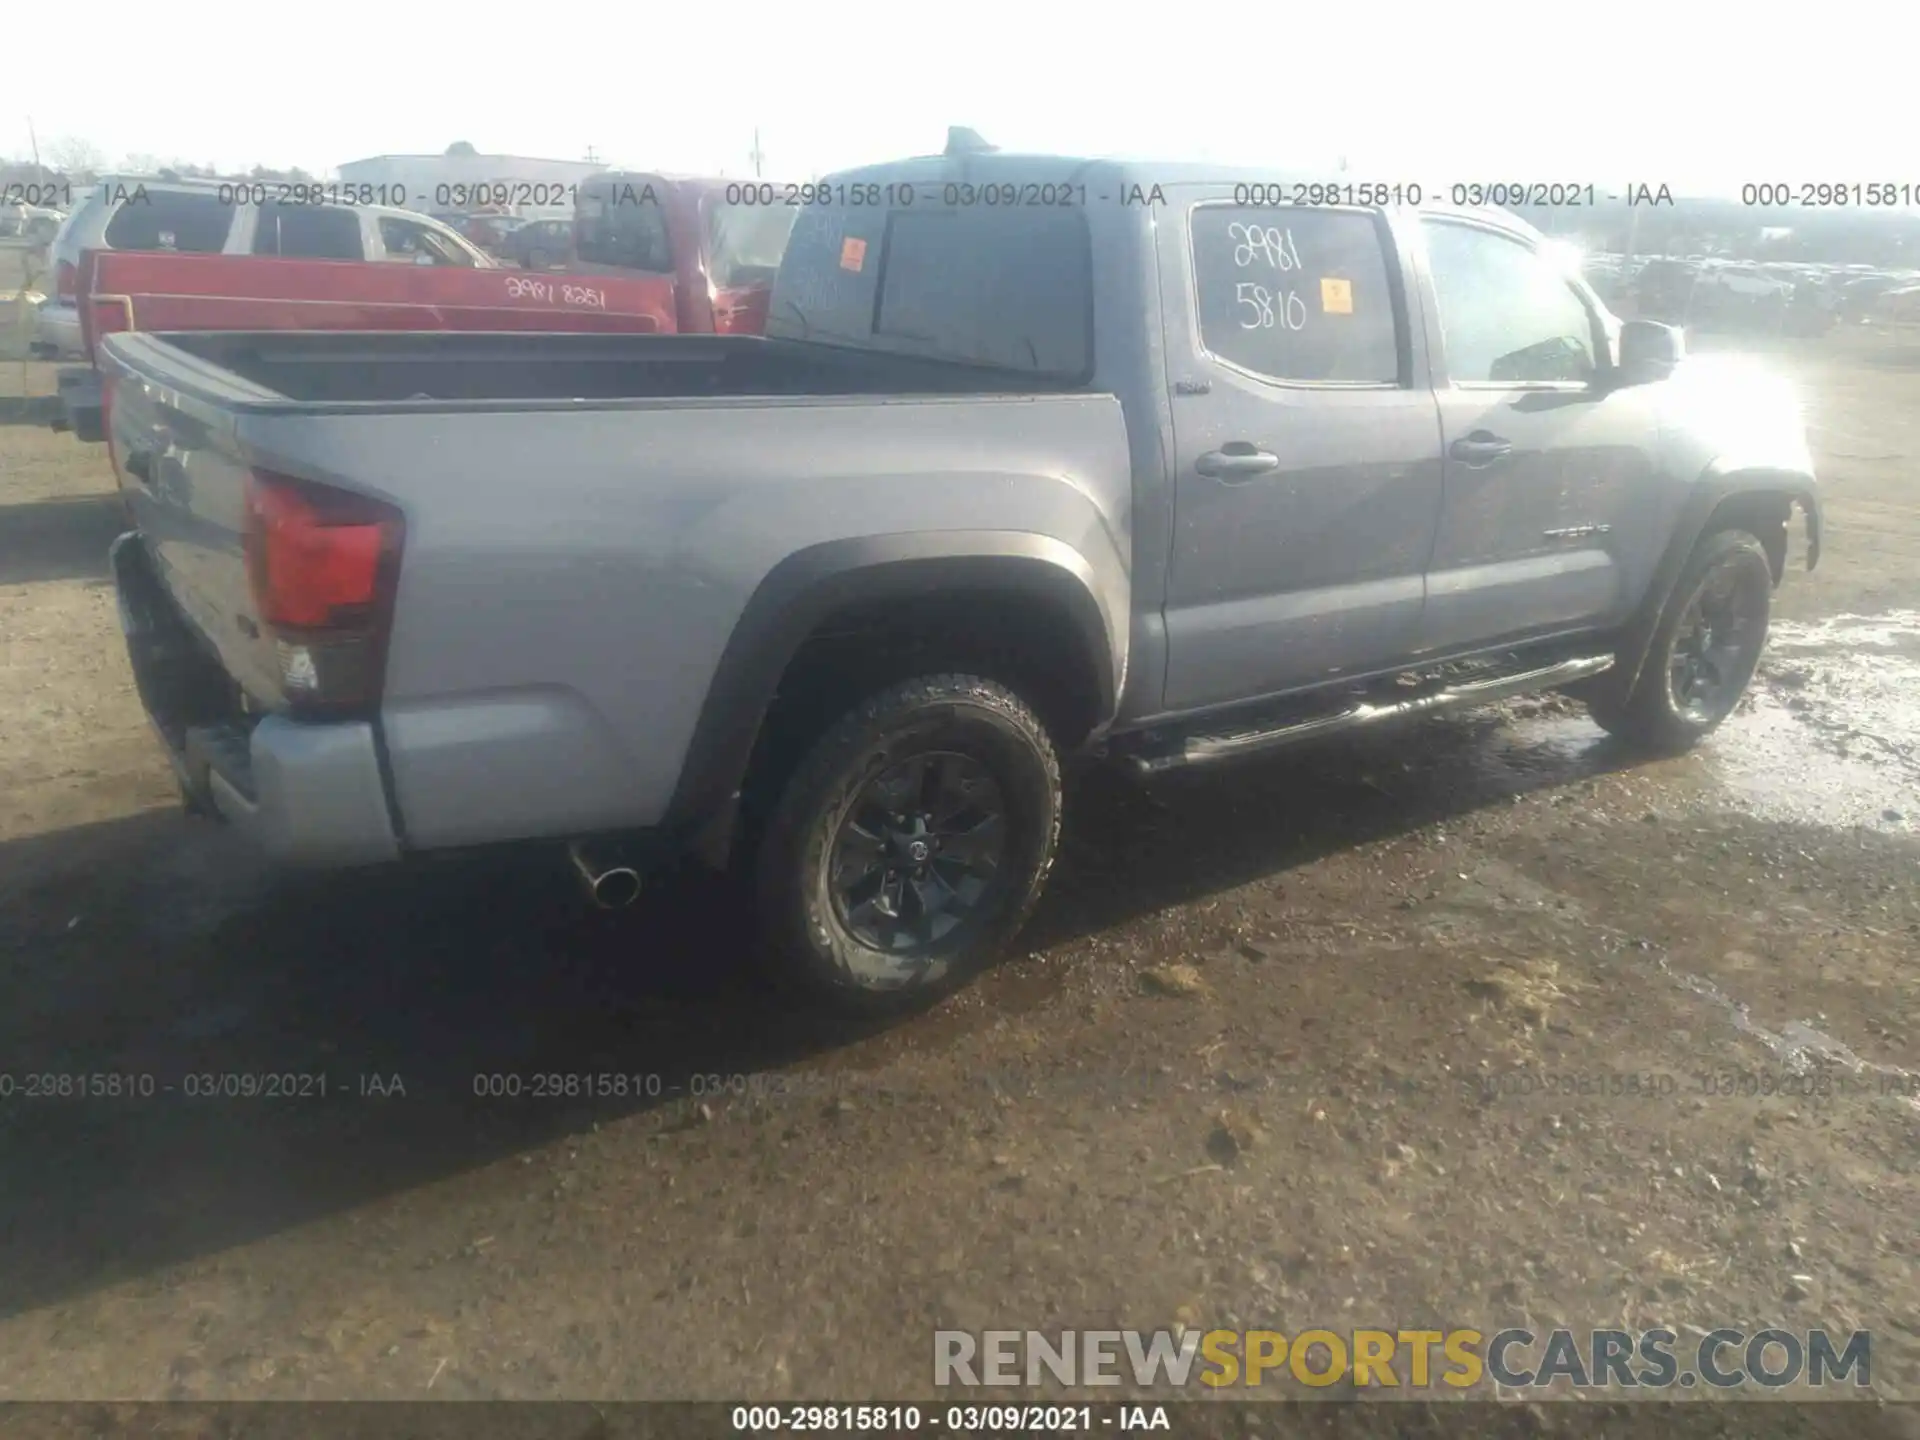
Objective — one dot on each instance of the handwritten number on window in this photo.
(1262, 309)
(1267, 243)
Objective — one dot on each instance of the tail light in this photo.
(66, 280)
(323, 564)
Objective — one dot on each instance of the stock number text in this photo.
(303, 192)
(1363, 192)
(1819, 193)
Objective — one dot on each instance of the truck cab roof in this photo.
(1122, 180)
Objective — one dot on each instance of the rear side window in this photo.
(1004, 287)
(1296, 294)
(196, 221)
(623, 225)
(308, 232)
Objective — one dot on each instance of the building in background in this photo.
(462, 180)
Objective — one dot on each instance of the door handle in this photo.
(1480, 448)
(1237, 460)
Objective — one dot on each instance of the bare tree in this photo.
(75, 155)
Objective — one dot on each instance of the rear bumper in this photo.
(56, 331)
(306, 794)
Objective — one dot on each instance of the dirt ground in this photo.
(1388, 1089)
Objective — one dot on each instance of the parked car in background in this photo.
(720, 241)
(539, 244)
(1172, 484)
(1860, 294)
(147, 290)
(1814, 306)
(1608, 275)
(1743, 283)
(1663, 289)
(35, 224)
(1899, 307)
(211, 217)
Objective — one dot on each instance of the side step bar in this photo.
(1205, 749)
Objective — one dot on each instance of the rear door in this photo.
(1307, 465)
(1549, 470)
(308, 232)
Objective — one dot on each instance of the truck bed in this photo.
(392, 368)
(589, 521)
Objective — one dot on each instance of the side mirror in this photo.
(1649, 350)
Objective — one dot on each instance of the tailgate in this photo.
(181, 467)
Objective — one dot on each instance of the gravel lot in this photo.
(1279, 1054)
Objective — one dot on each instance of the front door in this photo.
(1307, 449)
(1549, 470)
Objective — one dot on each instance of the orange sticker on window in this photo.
(853, 253)
(1336, 296)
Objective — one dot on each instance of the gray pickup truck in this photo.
(1039, 456)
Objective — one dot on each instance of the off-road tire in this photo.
(1650, 718)
(801, 927)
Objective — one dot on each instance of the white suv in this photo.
(1748, 282)
(211, 217)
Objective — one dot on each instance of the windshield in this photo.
(745, 242)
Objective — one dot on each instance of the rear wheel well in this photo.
(1025, 640)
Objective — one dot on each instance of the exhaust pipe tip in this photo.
(610, 886)
(615, 889)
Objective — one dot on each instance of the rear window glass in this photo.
(190, 220)
(1011, 288)
(622, 224)
(745, 242)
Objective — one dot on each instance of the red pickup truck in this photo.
(163, 290)
(718, 241)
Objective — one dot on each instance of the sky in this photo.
(1701, 98)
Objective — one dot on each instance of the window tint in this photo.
(308, 232)
(190, 220)
(622, 224)
(1506, 315)
(1010, 287)
(1296, 294)
(406, 241)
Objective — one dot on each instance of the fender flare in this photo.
(811, 584)
(1719, 487)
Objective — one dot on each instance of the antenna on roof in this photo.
(963, 141)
